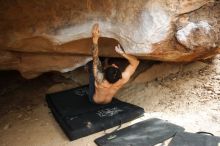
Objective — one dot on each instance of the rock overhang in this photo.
(149, 29)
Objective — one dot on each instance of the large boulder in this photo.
(54, 35)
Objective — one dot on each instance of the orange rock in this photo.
(41, 36)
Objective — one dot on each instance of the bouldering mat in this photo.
(194, 139)
(78, 117)
(145, 133)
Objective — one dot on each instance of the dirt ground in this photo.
(187, 95)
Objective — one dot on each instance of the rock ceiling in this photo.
(54, 35)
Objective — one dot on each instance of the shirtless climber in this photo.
(103, 84)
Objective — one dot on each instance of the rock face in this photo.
(53, 35)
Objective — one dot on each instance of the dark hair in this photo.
(112, 74)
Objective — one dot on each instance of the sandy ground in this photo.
(187, 95)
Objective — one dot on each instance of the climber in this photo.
(103, 84)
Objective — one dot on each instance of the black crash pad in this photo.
(78, 117)
(145, 133)
(194, 139)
